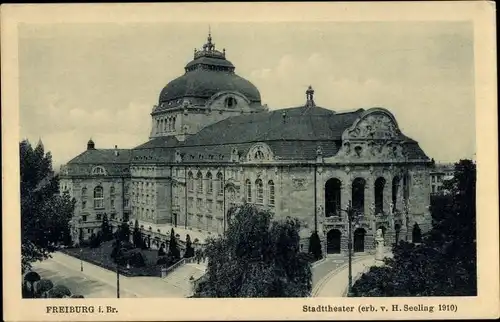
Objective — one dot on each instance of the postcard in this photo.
(249, 161)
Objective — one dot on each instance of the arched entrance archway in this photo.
(332, 197)
(359, 240)
(416, 234)
(333, 238)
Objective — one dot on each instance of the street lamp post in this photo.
(350, 217)
(80, 243)
(118, 264)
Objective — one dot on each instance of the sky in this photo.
(100, 81)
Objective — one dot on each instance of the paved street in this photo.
(329, 264)
(335, 283)
(97, 282)
(76, 281)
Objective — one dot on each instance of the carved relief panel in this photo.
(260, 152)
(374, 137)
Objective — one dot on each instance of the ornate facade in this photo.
(214, 145)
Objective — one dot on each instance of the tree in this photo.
(445, 263)
(161, 250)
(123, 232)
(257, 257)
(45, 214)
(136, 236)
(95, 240)
(29, 280)
(106, 231)
(173, 248)
(315, 246)
(189, 248)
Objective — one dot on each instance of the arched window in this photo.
(379, 195)
(157, 126)
(210, 184)
(260, 191)
(395, 191)
(230, 102)
(199, 182)
(161, 126)
(271, 193)
(358, 195)
(406, 186)
(259, 155)
(248, 186)
(173, 124)
(220, 181)
(99, 171)
(190, 181)
(98, 198)
(332, 197)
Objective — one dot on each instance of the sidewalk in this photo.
(142, 286)
(336, 283)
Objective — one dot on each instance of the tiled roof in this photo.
(292, 134)
(102, 156)
(292, 124)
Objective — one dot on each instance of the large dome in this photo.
(207, 74)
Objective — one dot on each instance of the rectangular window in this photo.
(98, 217)
(113, 216)
(271, 195)
(126, 202)
(89, 231)
(219, 205)
(198, 203)
(112, 203)
(84, 218)
(84, 204)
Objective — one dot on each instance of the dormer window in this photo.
(230, 102)
(259, 155)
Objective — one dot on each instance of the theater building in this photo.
(213, 144)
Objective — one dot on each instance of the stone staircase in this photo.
(180, 277)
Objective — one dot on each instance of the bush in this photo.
(189, 248)
(315, 246)
(58, 292)
(166, 261)
(135, 258)
(28, 285)
(43, 286)
(31, 277)
(95, 240)
(77, 296)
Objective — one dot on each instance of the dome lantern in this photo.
(90, 145)
(207, 74)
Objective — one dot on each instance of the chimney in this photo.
(116, 150)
